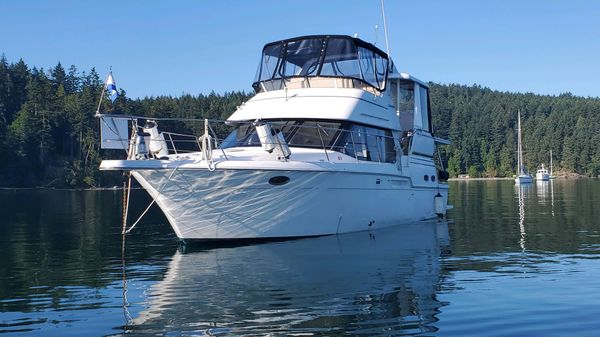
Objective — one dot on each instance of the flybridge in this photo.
(322, 61)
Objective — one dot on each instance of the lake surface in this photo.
(510, 262)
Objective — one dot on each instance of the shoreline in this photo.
(512, 178)
(472, 179)
(116, 188)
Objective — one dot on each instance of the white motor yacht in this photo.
(335, 140)
(542, 174)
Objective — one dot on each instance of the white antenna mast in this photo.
(387, 43)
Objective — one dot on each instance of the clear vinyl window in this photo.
(358, 141)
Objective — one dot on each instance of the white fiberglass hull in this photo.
(542, 176)
(242, 204)
(524, 179)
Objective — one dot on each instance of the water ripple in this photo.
(512, 263)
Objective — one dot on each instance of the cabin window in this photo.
(424, 105)
(340, 59)
(243, 135)
(301, 58)
(269, 62)
(366, 143)
(313, 134)
(344, 59)
(367, 66)
(405, 93)
(321, 56)
(372, 67)
(358, 141)
(296, 133)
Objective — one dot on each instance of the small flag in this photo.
(111, 88)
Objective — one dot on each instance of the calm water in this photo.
(512, 262)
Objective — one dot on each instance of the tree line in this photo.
(49, 135)
(482, 125)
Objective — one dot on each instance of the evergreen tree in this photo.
(72, 81)
(58, 77)
(5, 89)
(19, 78)
(49, 136)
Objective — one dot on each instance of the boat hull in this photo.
(262, 204)
(523, 179)
(542, 176)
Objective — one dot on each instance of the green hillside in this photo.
(49, 137)
(481, 123)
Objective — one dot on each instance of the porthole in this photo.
(432, 178)
(279, 180)
(426, 177)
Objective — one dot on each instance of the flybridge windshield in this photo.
(323, 56)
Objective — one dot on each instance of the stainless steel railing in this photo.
(361, 142)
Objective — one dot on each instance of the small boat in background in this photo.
(542, 174)
(522, 176)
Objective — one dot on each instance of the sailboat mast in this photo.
(550, 162)
(519, 158)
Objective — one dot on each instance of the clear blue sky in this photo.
(175, 47)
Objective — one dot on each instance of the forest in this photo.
(49, 135)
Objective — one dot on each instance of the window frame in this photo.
(376, 144)
(376, 79)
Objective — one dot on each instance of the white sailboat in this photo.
(522, 176)
(551, 176)
(335, 140)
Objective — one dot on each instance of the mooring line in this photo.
(153, 201)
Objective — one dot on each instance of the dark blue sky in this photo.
(175, 47)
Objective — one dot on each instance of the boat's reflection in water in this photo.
(522, 191)
(382, 282)
(545, 193)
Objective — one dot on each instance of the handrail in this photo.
(172, 143)
(199, 119)
(368, 152)
(319, 128)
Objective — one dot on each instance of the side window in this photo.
(424, 98)
(381, 68)
(389, 147)
(269, 63)
(405, 93)
(359, 135)
(314, 134)
(367, 143)
(375, 145)
(381, 146)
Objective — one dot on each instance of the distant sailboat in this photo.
(522, 176)
(551, 175)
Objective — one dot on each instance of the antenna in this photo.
(376, 35)
(385, 31)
